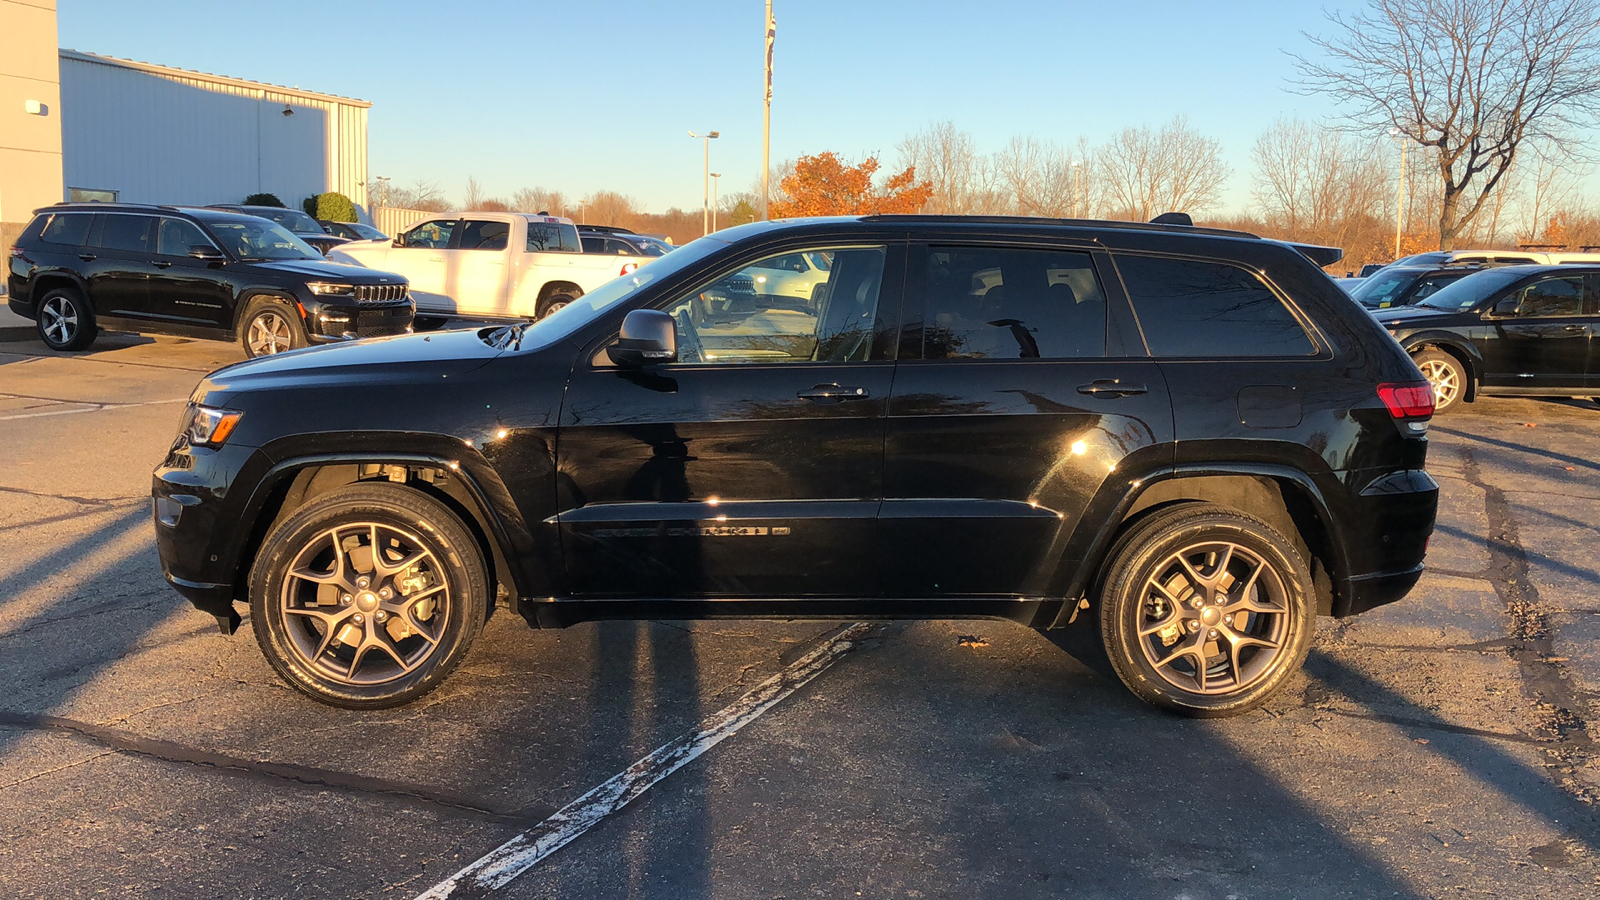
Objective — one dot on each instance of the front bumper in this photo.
(196, 516)
(329, 322)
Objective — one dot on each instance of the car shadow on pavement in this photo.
(1576, 461)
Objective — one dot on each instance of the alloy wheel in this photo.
(1444, 378)
(1214, 618)
(364, 603)
(269, 333)
(59, 318)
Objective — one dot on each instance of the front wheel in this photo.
(555, 302)
(368, 596)
(1446, 374)
(1205, 610)
(270, 327)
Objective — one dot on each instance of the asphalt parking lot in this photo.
(1441, 747)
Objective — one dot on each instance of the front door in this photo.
(1009, 411)
(420, 257)
(1545, 343)
(188, 293)
(753, 466)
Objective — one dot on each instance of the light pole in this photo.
(1077, 189)
(1400, 193)
(705, 201)
(766, 116)
(715, 182)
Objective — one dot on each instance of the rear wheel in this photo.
(1205, 611)
(1446, 374)
(66, 320)
(270, 326)
(368, 596)
(555, 302)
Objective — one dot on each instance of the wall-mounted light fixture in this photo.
(35, 108)
(287, 111)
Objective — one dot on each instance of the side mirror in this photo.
(1506, 307)
(648, 336)
(398, 242)
(206, 252)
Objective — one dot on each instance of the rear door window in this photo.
(1552, 297)
(553, 237)
(477, 235)
(130, 234)
(1189, 308)
(1011, 303)
(68, 228)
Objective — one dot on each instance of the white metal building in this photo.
(143, 133)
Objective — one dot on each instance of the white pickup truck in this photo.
(490, 265)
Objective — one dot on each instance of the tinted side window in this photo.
(435, 235)
(129, 233)
(1202, 309)
(553, 237)
(996, 303)
(1429, 286)
(484, 235)
(1553, 297)
(177, 236)
(594, 245)
(68, 229)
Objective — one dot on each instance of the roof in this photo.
(207, 76)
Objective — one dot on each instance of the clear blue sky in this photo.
(581, 96)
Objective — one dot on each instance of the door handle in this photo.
(833, 393)
(161, 263)
(435, 259)
(88, 257)
(1577, 328)
(1110, 387)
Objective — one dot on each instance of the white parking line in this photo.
(92, 407)
(527, 849)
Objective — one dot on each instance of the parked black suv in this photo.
(1515, 330)
(81, 267)
(1014, 418)
(1408, 285)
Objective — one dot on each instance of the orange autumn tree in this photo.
(823, 185)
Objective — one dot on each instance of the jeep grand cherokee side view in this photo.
(1190, 432)
(203, 273)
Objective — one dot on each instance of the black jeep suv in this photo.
(1192, 430)
(80, 267)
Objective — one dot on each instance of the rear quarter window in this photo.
(1189, 308)
(67, 228)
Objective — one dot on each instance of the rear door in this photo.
(1017, 397)
(753, 466)
(1592, 310)
(124, 244)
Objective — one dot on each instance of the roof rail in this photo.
(1120, 225)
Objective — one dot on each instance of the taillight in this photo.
(1407, 400)
(629, 267)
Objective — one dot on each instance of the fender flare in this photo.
(1112, 507)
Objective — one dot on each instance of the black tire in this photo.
(65, 320)
(1238, 650)
(554, 302)
(1447, 375)
(269, 327)
(301, 593)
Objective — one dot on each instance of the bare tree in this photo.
(947, 160)
(610, 208)
(421, 195)
(1320, 185)
(1146, 173)
(538, 199)
(1042, 178)
(1470, 79)
(1549, 185)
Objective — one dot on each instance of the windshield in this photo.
(366, 231)
(1381, 290)
(252, 238)
(1473, 289)
(580, 312)
(292, 219)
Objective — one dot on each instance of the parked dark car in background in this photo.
(1190, 429)
(620, 244)
(1510, 331)
(298, 223)
(81, 267)
(1407, 285)
(352, 231)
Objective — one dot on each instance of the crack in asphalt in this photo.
(327, 779)
(1530, 645)
(69, 498)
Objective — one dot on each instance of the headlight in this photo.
(331, 288)
(207, 426)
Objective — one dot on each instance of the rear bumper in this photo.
(1369, 592)
(1395, 514)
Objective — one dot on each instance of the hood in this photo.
(402, 359)
(1420, 316)
(333, 271)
